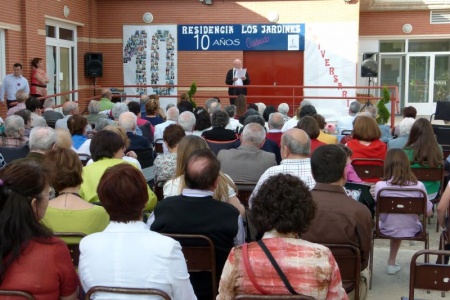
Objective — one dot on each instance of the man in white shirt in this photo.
(295, 150)
(171, 118)
(233, 78)
(346, 123)
(11, 84)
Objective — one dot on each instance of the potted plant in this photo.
(383, 112)
(191, 94)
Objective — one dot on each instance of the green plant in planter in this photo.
(191, 94)
(383, 112)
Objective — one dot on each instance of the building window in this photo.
(392, 46)
(429, 46)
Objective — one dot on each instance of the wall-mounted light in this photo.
(66, 11)
(273, 17)
(147, 17)
(407, 28)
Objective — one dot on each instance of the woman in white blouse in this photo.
(126, 253)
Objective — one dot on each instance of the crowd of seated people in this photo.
(276, 153)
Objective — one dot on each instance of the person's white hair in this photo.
(283, 109)
(187, 120)
(276, 120)
(68, 107)
(14, 126)
(118, 109)
(94, 107)
(406, 125)
(49, 103)
(215, 106)
(127, 121)
(42, 138)
(371, 111)
(261, 108)
(253, 134)
(173, 114)
(305, 103)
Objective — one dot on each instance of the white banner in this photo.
(150, 57)
(330, 60)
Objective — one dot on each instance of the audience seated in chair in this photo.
(42, 140)
(311, 127)
(32, 259)
(404, 129)
(295, 150)
(268, 145)
(14, 132)
(165, 164)
(324, 137)
(248, 162)
(35, 107)
(339, 219)
(398, 174)
(186, 120)
(50, 114)
(107, 151)
(68, 212)
(195, 211)
(94, 113)
(225, 190)
(202, 121)
(366, 141)
(219, 120)
(172, 118)
(424, 152)
(282, 209)
(151, 261)
(305, 110)
(346, 123)
(21, 96)
(78, 126)
(276, 122)
(127, 121)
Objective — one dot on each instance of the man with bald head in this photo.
(195, 211)
(105, 101)
(248, 162)
(233, 78)
(295, 151)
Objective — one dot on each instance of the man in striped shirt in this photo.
(295, 149)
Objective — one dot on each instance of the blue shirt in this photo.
(12, 84)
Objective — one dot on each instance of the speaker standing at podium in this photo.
(237, 77)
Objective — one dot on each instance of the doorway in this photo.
(274, 69)
(60, 58)
(392, 73)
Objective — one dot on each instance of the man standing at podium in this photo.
(239, 78)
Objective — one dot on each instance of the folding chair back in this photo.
(12, 153)
(145, 157)
(368, 167)
(348, 259)
(17, 294)
(245, 189)
(159, 146)
(216, 146)
(428, 276)
(273, 297)
(346, 132)
(72, 240)
(199, 252)
(159, 189)
(84, 158)
(400, 205)
(128, 291)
